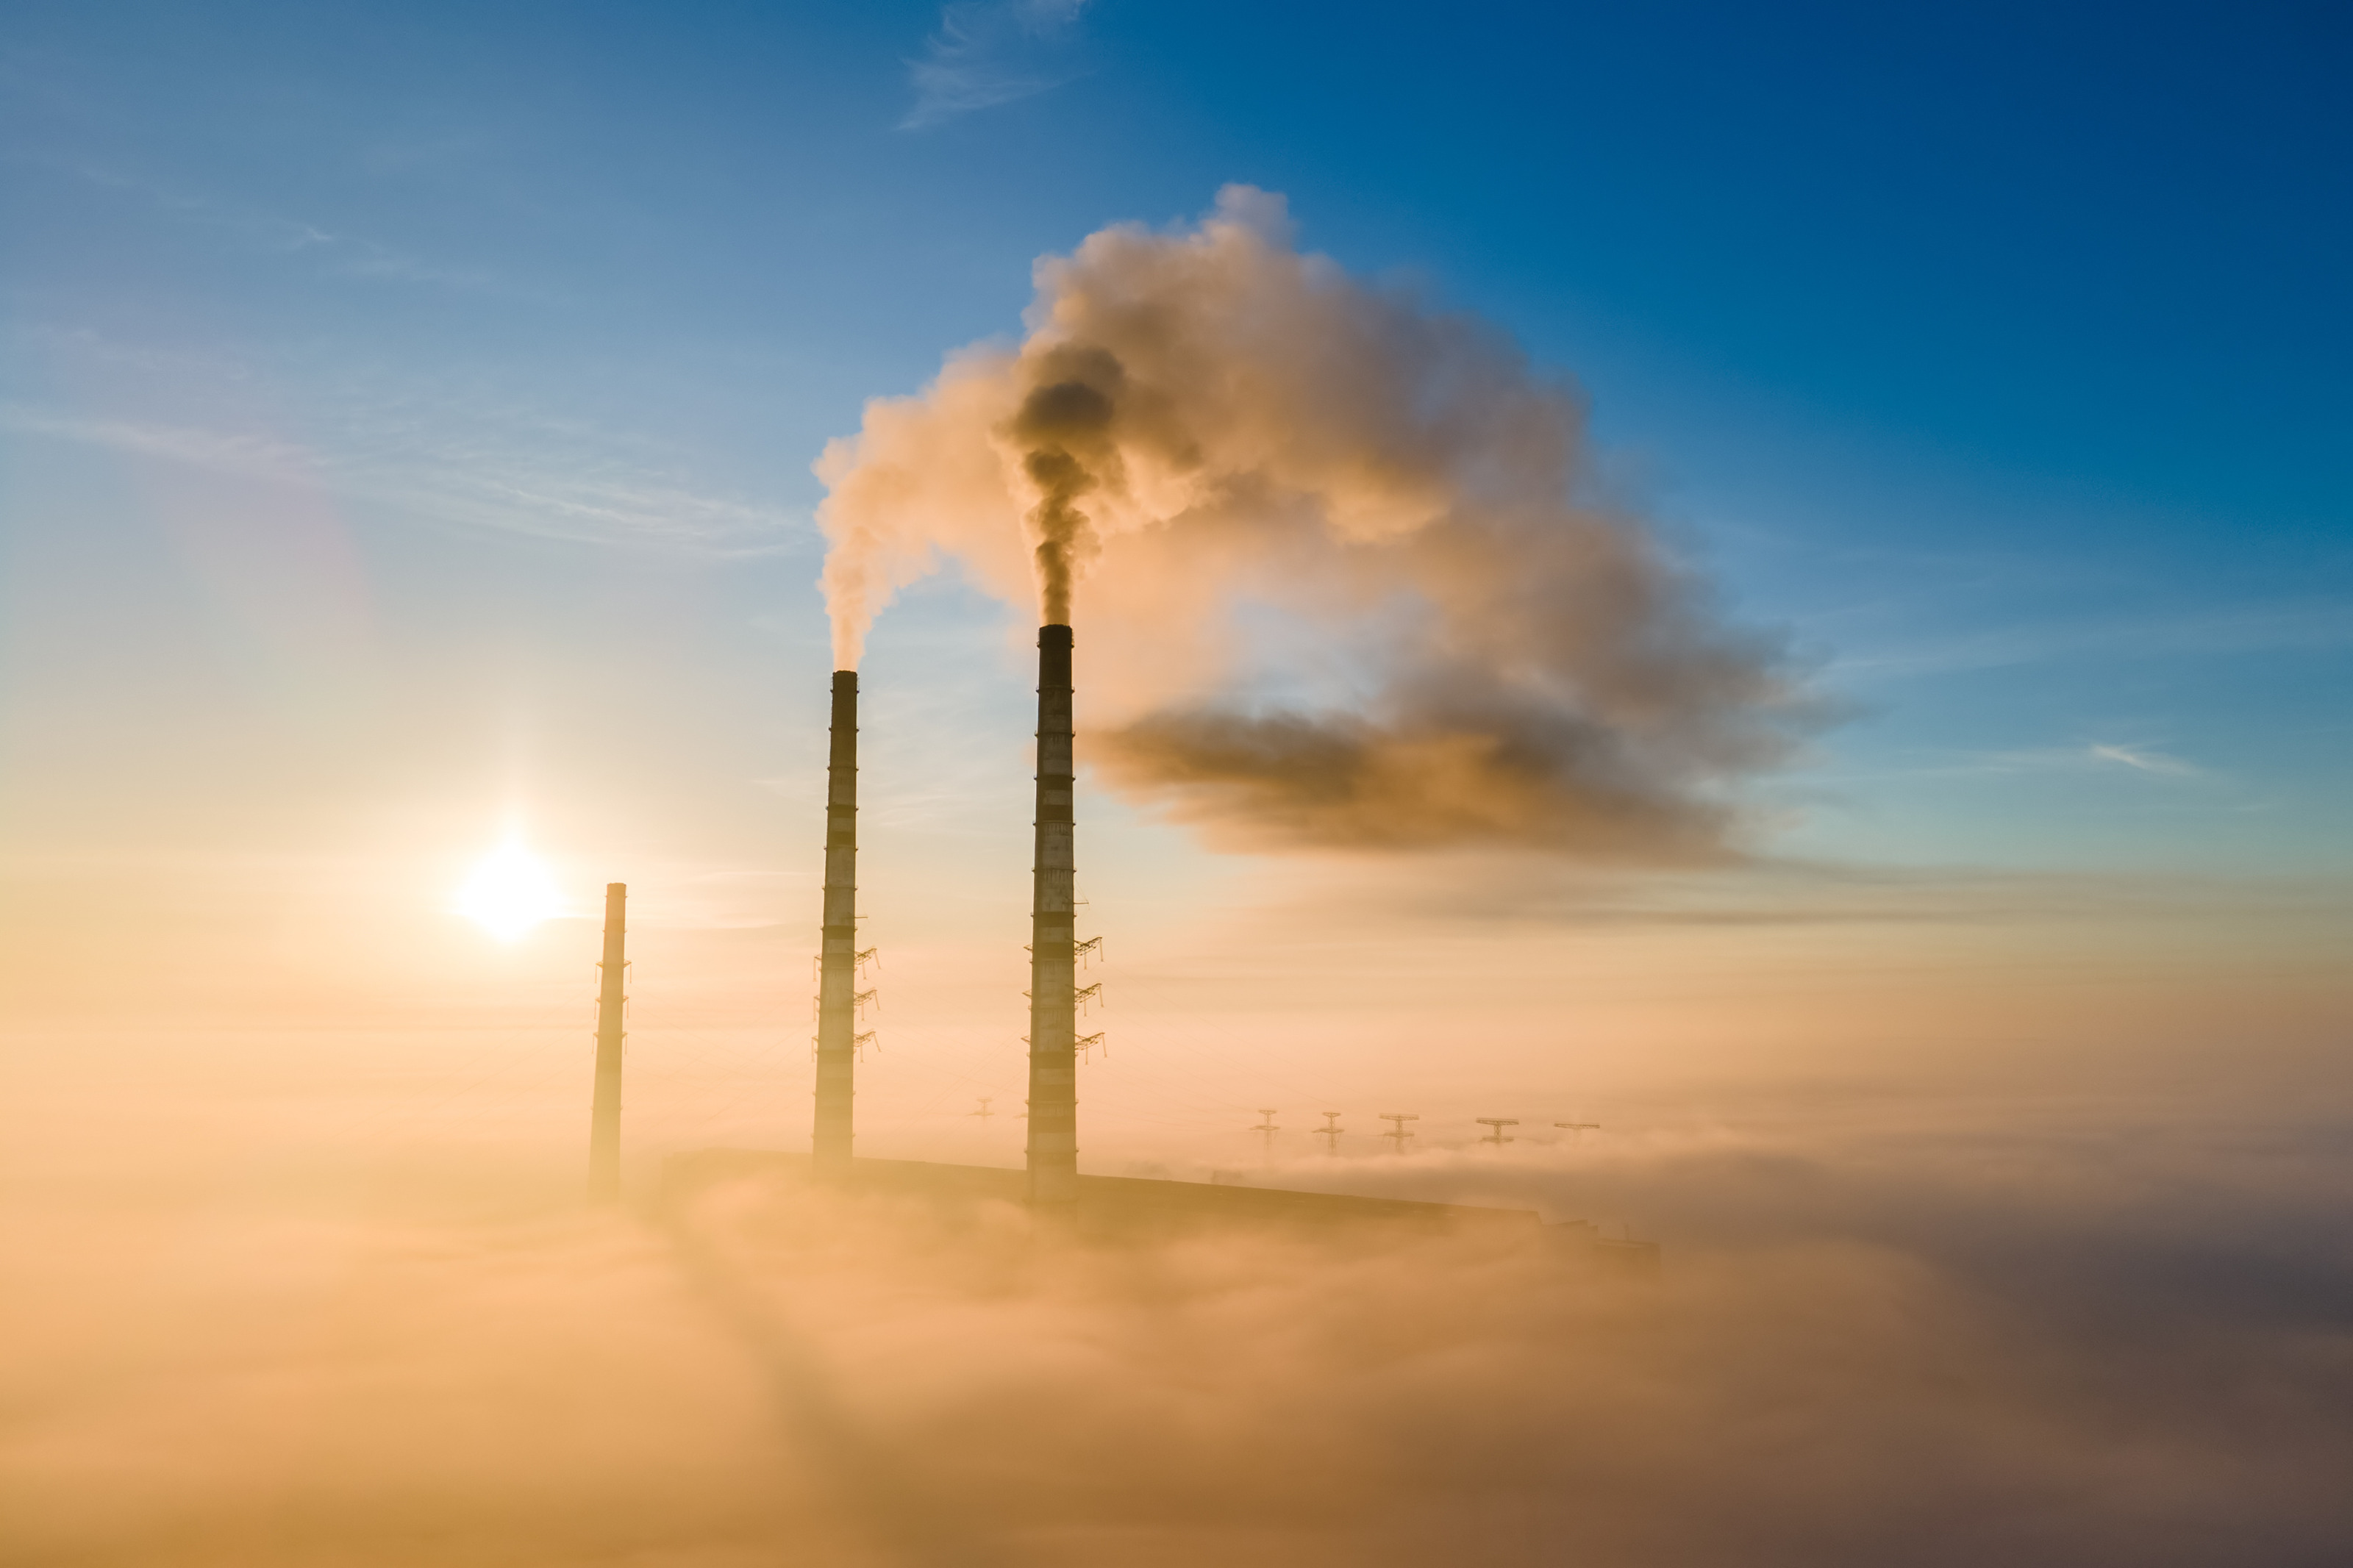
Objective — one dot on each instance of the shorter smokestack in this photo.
(605, 1110)
(836, 994)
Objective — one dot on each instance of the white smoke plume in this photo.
(1212, 447)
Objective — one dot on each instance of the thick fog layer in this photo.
(1915, 1351)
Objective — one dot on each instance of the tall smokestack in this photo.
(1053, 1002)
(836, 995)
(604, 1110)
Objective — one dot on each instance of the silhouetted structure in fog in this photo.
(1053, 1152)
(1101, 1207)
(1330, 1133)
(838, 998)
(605, 1108)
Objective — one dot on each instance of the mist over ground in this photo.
(1967, 1339)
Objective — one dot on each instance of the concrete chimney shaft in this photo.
(837, 1008)
(1054, 1003)
(605, 1108)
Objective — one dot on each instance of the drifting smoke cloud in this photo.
(1224, 446)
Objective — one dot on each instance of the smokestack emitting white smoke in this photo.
(1230, 442)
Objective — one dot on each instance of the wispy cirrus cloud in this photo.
(226, 452)
(259, 230)
(2143, 760)
(2301, 623)
(508, 476)
(2091, 757)
(988, 52)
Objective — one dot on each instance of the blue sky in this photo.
(1995, 358)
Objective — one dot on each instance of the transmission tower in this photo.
(1498, 1137)
(984, 1112)
(1083, 1044)
(1330, 1133)
(1399, 1133)
(1577, 1127)
(1266, 1125)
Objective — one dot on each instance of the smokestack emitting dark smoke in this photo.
(1053, 1006)
(836, 1003)
(1064, 429)
(605, 1107)
(1246, 453)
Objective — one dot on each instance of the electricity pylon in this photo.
(1497, 1137)
(1330, 1133)
(1398, 1132)
(1267, 1126)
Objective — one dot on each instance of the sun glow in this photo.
(509, 892)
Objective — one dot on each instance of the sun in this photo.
(509, 892)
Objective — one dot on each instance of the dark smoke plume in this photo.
(1339, 585)
(1064, 432)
